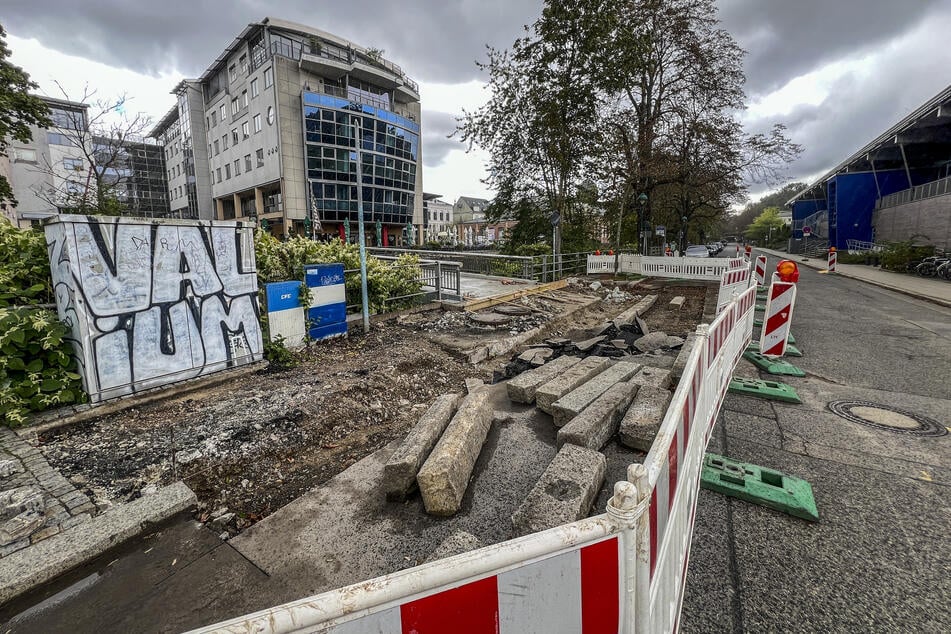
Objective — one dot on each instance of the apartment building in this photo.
(134, 171)
(437, 219)
(182, 134)
(468, 209)
(289, 113)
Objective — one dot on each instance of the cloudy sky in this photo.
(836, 73)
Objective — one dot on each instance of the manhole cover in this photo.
(886, 417)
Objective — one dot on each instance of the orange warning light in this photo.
(788, 271)
(832, 249)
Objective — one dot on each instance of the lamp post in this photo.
(683, 223)
(355, 120)
(642, 201)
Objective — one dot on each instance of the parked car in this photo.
(697, 251)
(713, 248)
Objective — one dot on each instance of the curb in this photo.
(897, 289)
(31, 567)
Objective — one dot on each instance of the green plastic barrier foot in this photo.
(791, 350)
(760, 307)
(758, 322)
(761, 486)
(773, 366)
(772, 390)
(791, 339)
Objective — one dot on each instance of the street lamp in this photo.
(642, 201)
(683, 223)
(355, 121)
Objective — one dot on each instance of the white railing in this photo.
(855, 247)
(625, 569)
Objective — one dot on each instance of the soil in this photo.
(252, 445)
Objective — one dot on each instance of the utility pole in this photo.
(360, 227)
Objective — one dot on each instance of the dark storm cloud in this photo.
(437, 127)
(788, 38)
(433, 40)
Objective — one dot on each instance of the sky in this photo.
(836, 74)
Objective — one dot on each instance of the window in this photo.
(245, 129)
(224, 141)
(223, 110)
(244, 98)
(214, 118)
(233, 72)
(237, 166)
(270, 115)
(218, 173)
(209, 149)
(247, 162)
(217, 148)
(257, 123)
(243, 63)
(234, 135)
(268, 77)
(234, 106)
(227, 171)
(260, 156)
(25, 156)
(254, 88)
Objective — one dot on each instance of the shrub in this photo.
(897, 255)
(24, 267)
(37, 370)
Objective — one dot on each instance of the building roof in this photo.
(923, 138)
(165, 122)
(53, 101)
(469, 200)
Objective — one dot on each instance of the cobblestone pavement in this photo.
(36, 501)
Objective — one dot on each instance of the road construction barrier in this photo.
(777, 318)
(760, 270)
(832, 259)
(600, 264)
(622, 571)
(733, 281)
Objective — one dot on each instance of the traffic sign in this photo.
(660, 230)
(555, 219)
(807, 231)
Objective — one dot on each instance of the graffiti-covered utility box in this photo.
(150, 302)
(325, 317)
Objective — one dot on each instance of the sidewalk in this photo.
(933, 290)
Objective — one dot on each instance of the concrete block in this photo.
(522, 388)
(638, 309)
(564, 493)
(31, 567)
(595, 426)
(445, 475)
(678, 302)
(457, 543)
(642, 420)
(678, 370)
(568, 380)
(653, 377)
(572, 403)
(399, 473)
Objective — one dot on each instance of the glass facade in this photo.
(389, 147)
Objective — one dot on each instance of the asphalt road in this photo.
(879, 558)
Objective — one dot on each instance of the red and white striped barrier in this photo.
(760, 270)
(621, 571)
(832, 259)
(732, 281)
(748, 253)
(778, 316)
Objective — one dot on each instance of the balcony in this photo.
(325, 65)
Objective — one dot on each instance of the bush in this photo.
(277, 354)
(37, 370)
(278, 261)
(897, 255)
(24, 267)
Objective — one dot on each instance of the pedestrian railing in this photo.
(939, 187)
(623, 571)
(436, 281)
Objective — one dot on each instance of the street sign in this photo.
(660, 230)
(555, 219)
(807, 231)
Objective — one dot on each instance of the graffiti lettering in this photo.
(151, 303)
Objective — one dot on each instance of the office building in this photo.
(135, 174)
(182, 135)
(283, 107)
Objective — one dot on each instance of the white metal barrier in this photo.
(601, 264)
(733, 281)
(662, 266)
(622, 571)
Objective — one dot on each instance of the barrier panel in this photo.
(732, 281)
(760, 270)
(686, 268)
(598, 264)
(622, 571)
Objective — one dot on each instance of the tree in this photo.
(18, 109)
(99, 132)
(767, 225)
(738, 223)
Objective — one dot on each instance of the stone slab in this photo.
(564, 492)
(678, 301)
(568, 380)
(444, 477)
(572, 403)
(642, 420)
(457, 543)
(31, 567)
(399, 473)
(653, 377)
(522, 388)
(636, 310)
(598, 423)
(681, 363)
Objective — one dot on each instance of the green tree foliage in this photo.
(37, 370)
(18, 109)
(737, 223)
(280, 261)
(641, 96)
(766, 226)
